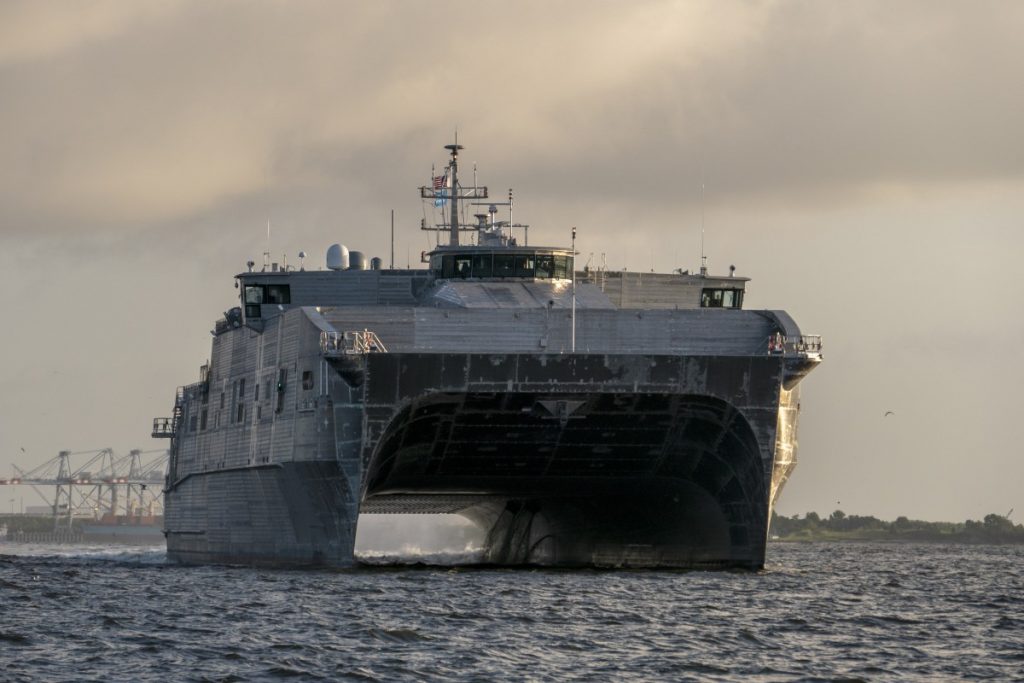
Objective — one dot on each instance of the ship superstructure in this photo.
(580, 416)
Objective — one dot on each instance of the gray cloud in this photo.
(861, 161)
(147, 115)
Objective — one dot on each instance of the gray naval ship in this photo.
(579, 416)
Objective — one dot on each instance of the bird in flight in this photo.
(888, 413)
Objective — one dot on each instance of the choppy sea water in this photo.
(818, 612)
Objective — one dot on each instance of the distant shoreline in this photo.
(839, 527)
(951, 540)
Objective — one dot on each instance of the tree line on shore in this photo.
(840, 526)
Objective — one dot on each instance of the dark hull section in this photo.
(639, 461)
(289, 514)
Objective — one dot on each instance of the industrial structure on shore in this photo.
(97, 496)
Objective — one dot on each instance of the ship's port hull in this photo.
(288, 514)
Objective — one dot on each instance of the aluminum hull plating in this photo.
(579, 417)
(565, 459)
(286, 514)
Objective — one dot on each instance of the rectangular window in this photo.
(504, 265)
(241, 412)
(463, 266)
(561, 270)
(222, 400)
(524, 266)
(253, 297)
(192, 423)
(307, 380)
(544, 267)
(202, 419)
(482, 265)
(721, 298)
(253, 294)
(278, 294)
(241, 388)
(256, 392)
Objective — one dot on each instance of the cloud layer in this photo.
(122, 116)
(861, 161)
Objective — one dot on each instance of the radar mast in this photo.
(456, 194)
(453, 236)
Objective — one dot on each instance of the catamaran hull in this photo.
(563, 460)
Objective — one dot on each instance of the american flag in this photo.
(439, 181)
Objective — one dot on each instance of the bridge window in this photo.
(500, 265)
(253, 299)
(447, 266)
(524, 265)
(482, 265)
(255, 295)
(504, 265)
(562, 266)
(545, 266)
(721, 298)
(279, 294)
(307, 380)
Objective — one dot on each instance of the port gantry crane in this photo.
(103, 485)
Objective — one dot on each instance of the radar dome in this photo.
(337, 257)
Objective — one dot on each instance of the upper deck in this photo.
(528, 285)
(493, 271)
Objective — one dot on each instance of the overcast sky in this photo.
(862, 162)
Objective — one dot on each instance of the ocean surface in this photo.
(818, 612)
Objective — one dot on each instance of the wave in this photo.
(412, 555)
(154, 554)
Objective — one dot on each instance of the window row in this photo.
(255, 295)
(721, 298)
(237, 396)
(539, 266)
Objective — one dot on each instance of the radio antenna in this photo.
(266, 254)
(703, 258)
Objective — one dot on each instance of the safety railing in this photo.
(802, 345)
(350, 343)
(163, 427)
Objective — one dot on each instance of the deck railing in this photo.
(348, 343)
(796, 345)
